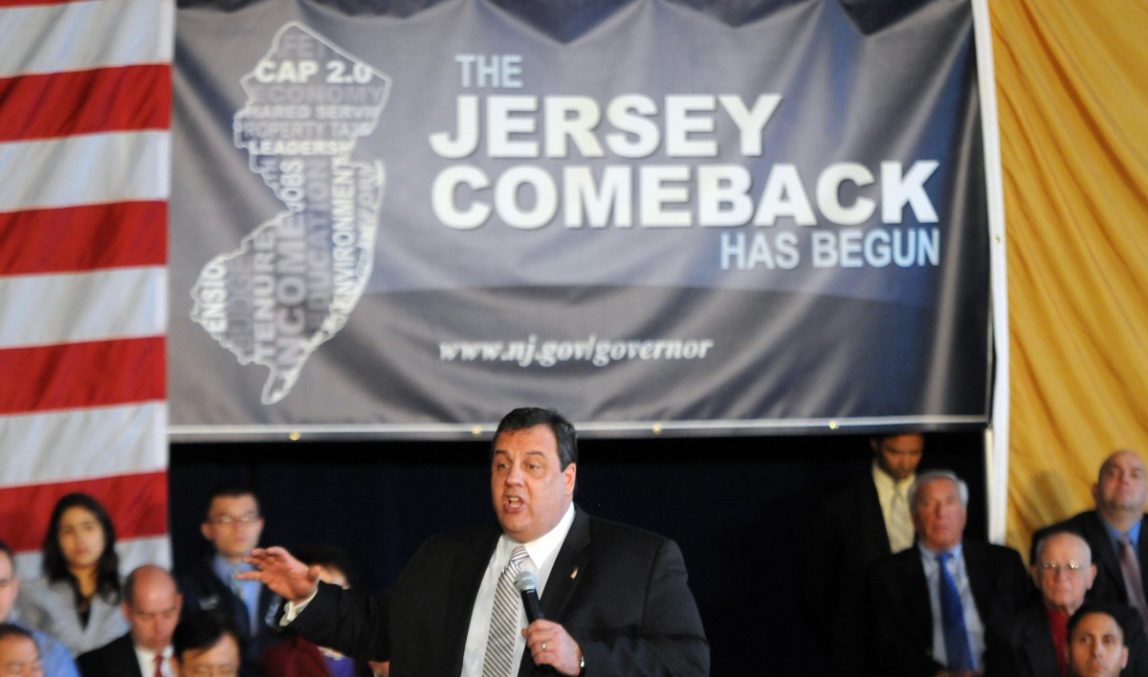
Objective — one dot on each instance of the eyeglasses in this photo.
(1070, 566)
(226, 520)
(19, 668)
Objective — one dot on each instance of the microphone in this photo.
(527, 584)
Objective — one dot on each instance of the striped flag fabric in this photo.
(85, 116)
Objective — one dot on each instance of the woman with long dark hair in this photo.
(77, 600)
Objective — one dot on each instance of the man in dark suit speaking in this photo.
(614, 599)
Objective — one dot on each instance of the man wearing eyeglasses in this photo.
(151, 605)
(1115, 532)
(232, 524)
(56, 660)
(1063, 572)
(19, 655)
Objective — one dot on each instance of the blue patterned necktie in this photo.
(957, 649)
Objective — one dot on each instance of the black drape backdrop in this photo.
(739, 507)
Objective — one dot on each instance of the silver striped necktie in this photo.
(504, 617)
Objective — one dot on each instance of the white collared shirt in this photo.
(146, 658)
(973, 624)
(542, 551)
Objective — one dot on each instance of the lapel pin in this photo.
(574, 574)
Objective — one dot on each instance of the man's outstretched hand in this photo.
(279, 570)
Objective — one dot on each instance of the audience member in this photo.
(205, 643)
(77, 600)
(861, 523)
(1063, 572)
(614, 598)
(1114, 531)
(151, 605)
(295, 656)
(19, 655)
(55, 658)
(943, 607)
(232, 524)
(1096, 643)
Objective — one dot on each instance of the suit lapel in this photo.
(569, 566)
(920, 611)
(125, 661)
(872, 520)
(565, 575)
(1096, 533)
(1142, 551)
(1037, 642)
(465, 579)
(980, 578)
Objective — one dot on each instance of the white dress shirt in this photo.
(146, 659)
(542, 553)
(973, 624)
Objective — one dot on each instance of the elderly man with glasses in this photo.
(1115, 532)
(1063, 571)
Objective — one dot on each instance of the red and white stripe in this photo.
(85, 148)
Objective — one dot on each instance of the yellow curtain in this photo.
(1072, 88)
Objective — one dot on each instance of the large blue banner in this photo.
(651, 215)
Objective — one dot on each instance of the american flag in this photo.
(85, 114)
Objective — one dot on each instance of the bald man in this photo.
(152, 605)
(1115, 531)
(1063, 572)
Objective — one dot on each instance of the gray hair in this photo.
(929, 476)
(1040, 545)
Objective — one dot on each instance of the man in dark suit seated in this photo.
(152, 605)
(1115, 532)
(942, 607)
(614, 599)
(1063, 571)
(860, 523)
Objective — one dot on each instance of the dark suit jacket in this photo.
(903, 619)
(620, 592)
(850, 537)
(1109, 583)
(202, 590)
(1034, 654)
(117, 658)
